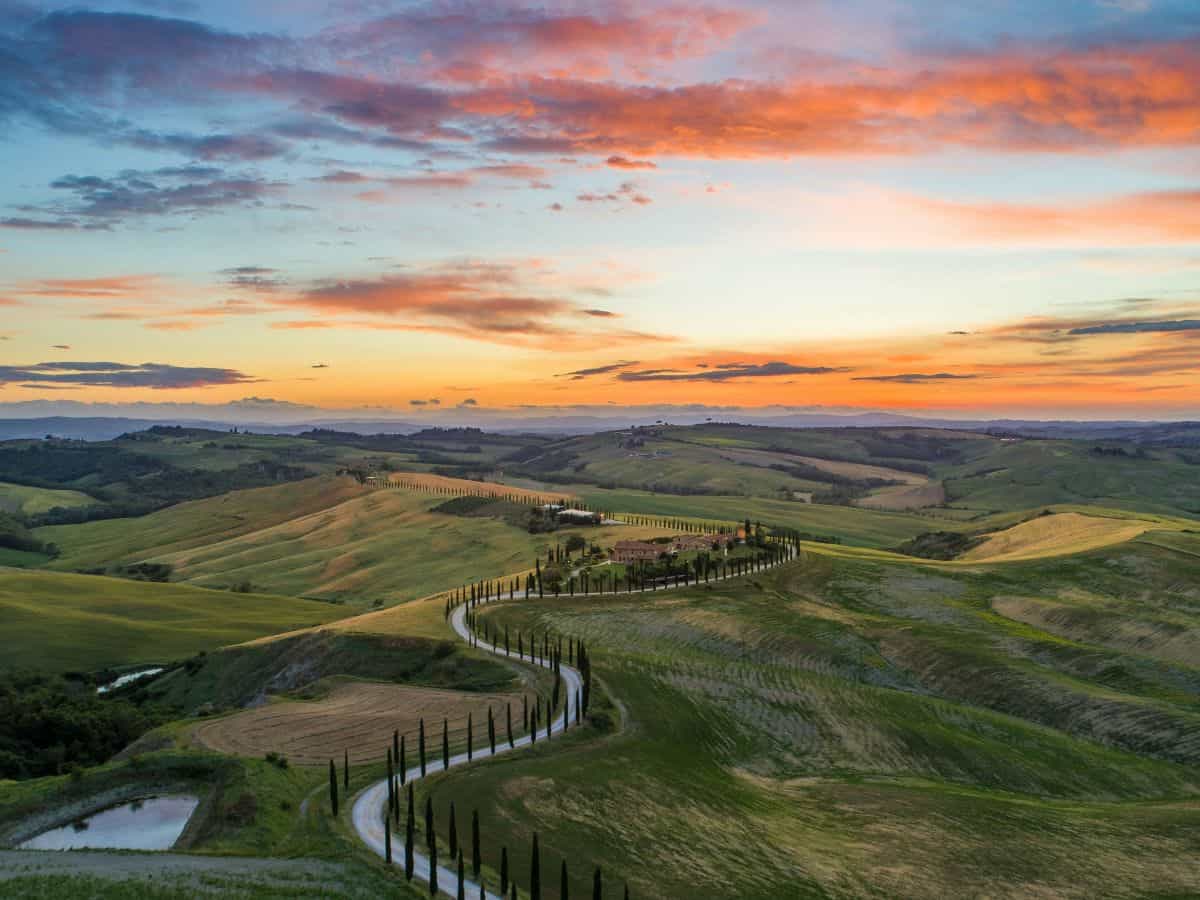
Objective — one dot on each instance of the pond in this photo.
(152, 823)
(127, 678)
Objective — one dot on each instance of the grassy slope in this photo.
(61, 622)
(982, 473)
(856, 527)
(22, 498)
(1028, 473)
(866, 728)
(323, 537)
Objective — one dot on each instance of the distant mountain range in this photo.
(107, 427)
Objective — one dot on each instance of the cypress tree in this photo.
(412, 813)
(514, 891)
(408, 849)
(562, 886)
(535, 871)
(627, 890)
(421, 744)
(503, 870)
(453, 832)
(470, 736)
(492, 731)
(387, 840)
(462, 883)
(346, 770)
(403, 764)
(433, 865)
(428, 820)
(508, 722)
(333, 790)
(597, 886)
(391, 784)
(396, 746)
(524, 712)
(476, 854)
(445, 744)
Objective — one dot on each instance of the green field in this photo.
(853, 526)
(981, 473)
(59, 622)
(1021, 720)
(857, 728)
(324, 537)
(28, 501)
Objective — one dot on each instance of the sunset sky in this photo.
(957, 208)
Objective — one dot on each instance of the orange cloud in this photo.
(1052, 100)
(483, 301)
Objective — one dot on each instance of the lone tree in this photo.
(535, 871)
(333, 790)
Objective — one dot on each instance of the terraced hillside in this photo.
(856, 727)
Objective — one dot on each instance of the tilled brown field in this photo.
(358, 718)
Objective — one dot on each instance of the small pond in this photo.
(152, 823)
(127, 678)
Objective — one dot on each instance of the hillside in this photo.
(59, 622)
(951, 473)
(892, 712)
(325, 537)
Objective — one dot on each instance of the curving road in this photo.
(368, 806)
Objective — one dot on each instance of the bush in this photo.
(242, 811)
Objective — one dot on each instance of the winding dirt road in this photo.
(367, 812)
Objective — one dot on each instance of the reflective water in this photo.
(126, 679)
(152, 823)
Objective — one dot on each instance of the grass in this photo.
(29, 501)
(64, 622)
(324, 537)
(1054, 535)
(250, 810)
(868, 727)
(851, 525)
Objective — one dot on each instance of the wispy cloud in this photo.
(916, 377)
(728, 372)
(156, 376)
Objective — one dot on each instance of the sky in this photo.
(984, 209)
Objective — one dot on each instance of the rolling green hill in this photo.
(325, 537)
(971, 474)
(58, 622)
(851, 727)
